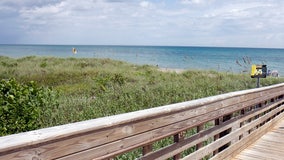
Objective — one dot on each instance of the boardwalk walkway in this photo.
(268, 147)
(238, 120)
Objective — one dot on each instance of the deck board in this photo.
(270, 146)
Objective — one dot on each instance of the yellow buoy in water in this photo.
(74, 50)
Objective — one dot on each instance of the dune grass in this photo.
(91, 88)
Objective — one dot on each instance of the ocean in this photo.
(235, 60)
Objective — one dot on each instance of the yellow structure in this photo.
(258, 71)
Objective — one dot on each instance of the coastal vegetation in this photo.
(22, 106)
(77, 89)
(38, 92)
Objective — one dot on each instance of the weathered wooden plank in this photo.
(262, 154)
(267, 148)
(63, 140)
(261, 131)
(147, 137)
(248, 140)
(114, 133)
(222, 141)
(249, 157)
(160, 131)
(177, 148)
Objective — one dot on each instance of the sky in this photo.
(221, 23)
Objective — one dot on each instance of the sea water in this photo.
(222, 59)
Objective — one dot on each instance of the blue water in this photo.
(208, 58)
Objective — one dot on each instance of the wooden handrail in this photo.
(222, 126)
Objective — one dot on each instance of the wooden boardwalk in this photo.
(237, 120)
(268, 147)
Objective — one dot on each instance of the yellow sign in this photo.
(258, 71)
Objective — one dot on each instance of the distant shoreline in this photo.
(220, 59)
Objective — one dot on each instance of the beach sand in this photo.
(171, 70)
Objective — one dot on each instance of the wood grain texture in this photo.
(236, 148)
(106, 137)
(270, 146)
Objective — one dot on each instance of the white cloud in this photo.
(240, 10)
(42, 12)
(145, 4)
(186, 22)
(192, 1)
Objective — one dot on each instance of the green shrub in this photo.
(21, 106)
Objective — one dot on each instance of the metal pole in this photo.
(257, 82)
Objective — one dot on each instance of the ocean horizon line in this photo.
(231, 59)
(130, 45)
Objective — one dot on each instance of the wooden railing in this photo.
(217, 127)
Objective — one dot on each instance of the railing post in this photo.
(198, 129)
(178, 138)
(217, 136)
(147, 149)
(219, 121)
(116, 136)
